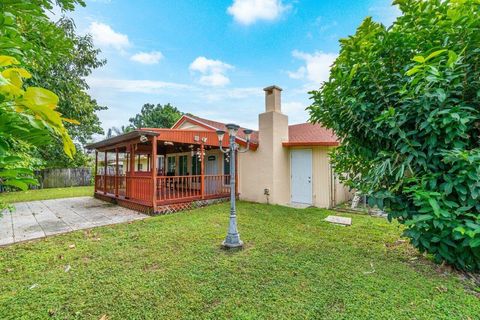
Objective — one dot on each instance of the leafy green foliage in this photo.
(405, 103)
(156, 116)
(67, 78)
(28, 114)
(59, 60)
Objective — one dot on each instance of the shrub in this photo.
(405, 102)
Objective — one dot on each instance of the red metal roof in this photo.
(309, 134)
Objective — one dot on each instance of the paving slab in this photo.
(39, 219)
(343, 221)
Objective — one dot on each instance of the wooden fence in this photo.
(70, 177)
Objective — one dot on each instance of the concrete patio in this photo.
(38, 219)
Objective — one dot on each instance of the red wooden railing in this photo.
(168, 188)
(99, 183)
(217, 185)
(110, 184)
(122, 186)
(139, 189)
(178, 187)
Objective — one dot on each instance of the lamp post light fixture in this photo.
(232, 239)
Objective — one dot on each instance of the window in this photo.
(143, 162)
(171, 164)
(226, 164)
(226, 168)
(161, 164)
(182, 166)
(196, 165)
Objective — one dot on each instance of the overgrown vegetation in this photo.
(294, 266)
(404, 101)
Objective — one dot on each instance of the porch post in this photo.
(154, 173)
(105, 174)
(116, 172)
(96, 171)
(132, 159)
(132, 170)
(202, 171)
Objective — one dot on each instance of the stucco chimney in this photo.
(267, 170)
(273, 95)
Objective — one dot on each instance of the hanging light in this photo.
(248, 134)
(220, 134)
(232, 129)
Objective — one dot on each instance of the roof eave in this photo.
(120, 138)
(311, 144)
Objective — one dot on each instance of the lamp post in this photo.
(232, 239)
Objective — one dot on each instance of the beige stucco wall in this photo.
(326, 192)
(322, 182)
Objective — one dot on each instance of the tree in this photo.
(115, 131)
(156, 116)
(28, 115)
(66, 76)
(404, 101)
(59, 60)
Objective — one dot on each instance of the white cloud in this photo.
(138, 86)
(296, 111)
(105, 37)
(231, 94)
(385, 13)
(147, 57)
(249, 11)
(213, 71)
(316, 69)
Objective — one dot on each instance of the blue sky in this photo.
(212, 58)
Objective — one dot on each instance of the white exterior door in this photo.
(301, 175)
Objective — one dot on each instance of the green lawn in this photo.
(294, 266)
(43, 194)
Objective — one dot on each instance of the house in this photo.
(163, 170)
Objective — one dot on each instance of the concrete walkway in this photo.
(38, 219)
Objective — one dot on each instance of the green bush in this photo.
(405, 102)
